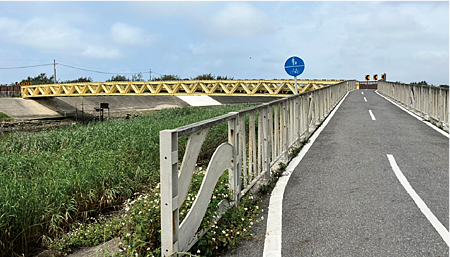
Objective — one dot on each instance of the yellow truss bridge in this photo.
(179, 87)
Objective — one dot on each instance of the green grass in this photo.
(4, 116)
(52, 179)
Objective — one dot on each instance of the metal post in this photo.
(168, 141)
(234, 176)
(54, 70)
(266, 143)
(295, 85)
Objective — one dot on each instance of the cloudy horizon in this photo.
(409, 41)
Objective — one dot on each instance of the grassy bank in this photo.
(4, 116)
(50, 180)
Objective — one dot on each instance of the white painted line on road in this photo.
(415, 116)
(419, 202)
(371, 115)
(365, 99)
(272, 242)
(362, 93)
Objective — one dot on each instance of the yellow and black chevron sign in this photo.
(375, 76)
(383, 76)
(367, 77)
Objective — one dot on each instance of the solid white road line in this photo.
(371, 115)
(415, 116)
(272, 242)
(419, 202)
(365, 99)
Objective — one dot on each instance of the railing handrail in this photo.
(282, 124)
(432, 103)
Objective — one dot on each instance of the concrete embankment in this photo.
(19, 108)
(56, 107)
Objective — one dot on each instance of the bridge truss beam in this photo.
(180, 87)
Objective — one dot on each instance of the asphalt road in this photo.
(344, 198)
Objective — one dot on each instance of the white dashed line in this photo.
(371, 115)
(365, 99)
(419, 202)
(362, 93)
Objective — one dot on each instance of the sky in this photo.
(409, 41)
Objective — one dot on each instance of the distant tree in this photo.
(444, 86)
(205, 76)
(424, 83)
(137, 77)
(39, 79)
(117, 78)
(79, 80)
(167, 78)
(209, 76)
(224, 78)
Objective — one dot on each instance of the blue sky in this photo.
(409, 41)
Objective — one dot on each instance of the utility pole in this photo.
(150, 75)
(54, 70)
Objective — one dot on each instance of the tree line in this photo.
(424, 83)
(45, 79)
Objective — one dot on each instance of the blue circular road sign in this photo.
(294, 66)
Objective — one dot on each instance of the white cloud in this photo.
(164, 9)
(101, 52)
(440, 57)
(129, 35)
(54, 36)
(40, 33)
(239, 20)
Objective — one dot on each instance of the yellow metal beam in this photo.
(180, 87)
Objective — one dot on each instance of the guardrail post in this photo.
(234, 176)
(266, 142)
(284, 126)
(296, 119)
(168, 145)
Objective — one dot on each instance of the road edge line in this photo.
(273, 239)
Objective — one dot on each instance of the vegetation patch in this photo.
(53, 182)
(4, 116)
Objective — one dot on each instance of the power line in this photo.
(103, 72)
(23, 67)
(77, 68)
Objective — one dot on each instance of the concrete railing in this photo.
(431, 103)
(273, 129)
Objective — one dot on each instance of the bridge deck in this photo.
(344, 198)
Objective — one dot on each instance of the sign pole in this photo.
(295, 85)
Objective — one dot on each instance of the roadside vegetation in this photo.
(54, 184)
(4, 116)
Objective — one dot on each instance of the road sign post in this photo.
(294, 66)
